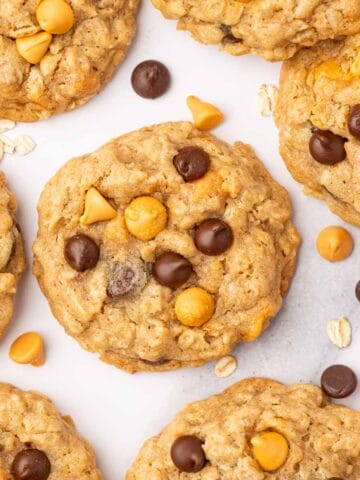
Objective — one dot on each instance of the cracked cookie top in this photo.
(318, 115)
(12, 260)
(273, 29)
(223, 437)
(164, 248)
(77, 64)
(38, 443)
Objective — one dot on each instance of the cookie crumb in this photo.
(24, 145)
(226, 366)
(339, 332)
(266, 99)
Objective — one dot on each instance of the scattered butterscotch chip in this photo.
(28, 349)
(339, 332)
(97, 208)
(206, 116)
(226, 366)
(334, 244)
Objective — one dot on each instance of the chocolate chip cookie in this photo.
(273, 29)
(57, 54)
(318, 115)
(258, 429)
(164, 248)
(37, 443)
(12, 259)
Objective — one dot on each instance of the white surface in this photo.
(114, 410)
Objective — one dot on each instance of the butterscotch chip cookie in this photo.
(12, 259)
(318, 116)
(47, 72)
(38, 443)
(273, 29)
(164, 248)
(258, 429)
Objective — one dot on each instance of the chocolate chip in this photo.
(213, 236)
(31, 464)
(338, 381)
(354, 121)
(357, 291)
(81, 252)
(192, 163)
(150, 79)
(187, 454)
(171, 269)
(326, 147)
(122, 283)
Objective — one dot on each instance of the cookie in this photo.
(273, 29)
(258, 429)
(318, 116)
(48, 72)
(164, 248)
(12, 259)
(38, 443)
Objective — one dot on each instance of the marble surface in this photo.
(114, 410)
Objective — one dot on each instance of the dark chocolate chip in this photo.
(122, 282)
(338, 381)
(31, 464)
(354, 121)
(357, 291)
(150, 79)
(81, 252)
(213, 236)
(171, 269)
(187, 454)
(327, 148)
(192, 163)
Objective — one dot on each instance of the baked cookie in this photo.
(38, 443)
(12, 259)
(318, 115)
(57, 55)
(258, 429)
(164, 248)
(273, 29)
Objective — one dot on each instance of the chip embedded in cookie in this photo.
(12, 259)
(257, 429)
(273, 29)
(37, 443)
(318, 116)
(164, 248)
(58, 54)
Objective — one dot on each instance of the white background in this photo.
(114, 410)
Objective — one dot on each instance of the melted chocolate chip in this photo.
(187, 454)
(122, 282)
(354, 122)
(81, 252)
(31, 464)
(338, 381)
(192, 163)
(150, 79)
(213, 236)
(326, 147)
(172, 270)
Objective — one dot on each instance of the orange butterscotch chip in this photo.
(28, 349)
(206, 116)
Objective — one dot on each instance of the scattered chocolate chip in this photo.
(357, 291)
(326, 147)
(187, 454)
(338, 381)
(31, 464)
(150, 79)
(192, 163)
(81, 252)
(354, 121)
(213, 236)
(171, 269)
(122, 283)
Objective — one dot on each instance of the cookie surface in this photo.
(30, 422)
(319, 92)
(274, 29)
(111, 299)
(12, 259)
(78, 64)
(323, 438)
